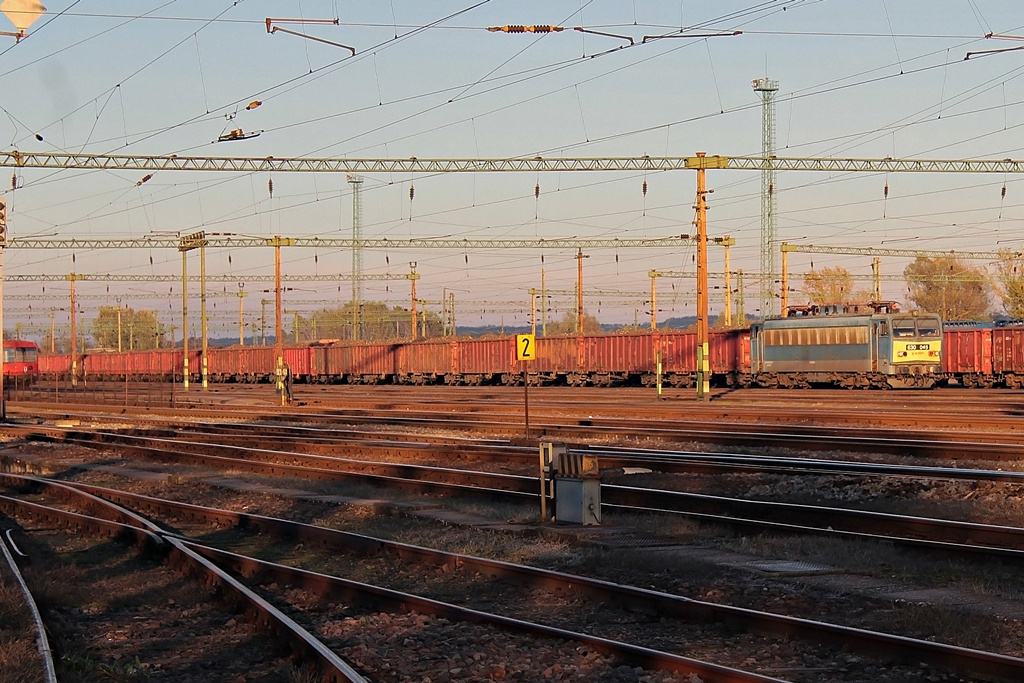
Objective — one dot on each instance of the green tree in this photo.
(139, 330)
(949, 287)
(1009, 283)
(831, 287)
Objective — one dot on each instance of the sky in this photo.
(857, 78)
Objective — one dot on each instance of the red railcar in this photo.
(967, 355)
(425, 362)
(157, 364)
(21, 361)
(729, 352)
(54, 364)
(612, 359)
(353, 363)
(484, 361)
(299, 360)
(1008, 355)
(246, 364)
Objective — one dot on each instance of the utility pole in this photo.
(413, 277)
(543, 303)
(703, 350)
(876, 272)
(187, 243)
(784, 293)
(357, 253)
(741, 300)
(654, 275)
(277, 242)
(767, 89)
(451, 312)
(241, 314)
(3, 245)
(119, 349)
(263, 322)
(533, 312)
(72, 278)
(184, 318)
(444, 311)
(579, 290)
(728, 288)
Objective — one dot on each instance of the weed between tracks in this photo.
(885, 562)
(19, 661)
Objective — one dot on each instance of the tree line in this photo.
(945, 285)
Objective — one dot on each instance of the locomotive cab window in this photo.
(903, 327)
(928, 327)
(21, 354)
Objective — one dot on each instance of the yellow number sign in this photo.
(526, 347)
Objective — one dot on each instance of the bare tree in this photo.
(949, 287)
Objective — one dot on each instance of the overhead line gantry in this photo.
(137, 162)
(232, 241)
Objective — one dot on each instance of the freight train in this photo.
(867, 347)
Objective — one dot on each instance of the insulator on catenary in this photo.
(412, 192)
(14, 182)
(885, 192)
(270, 186)
(540, 28)
(1002, 193)
(771, 188)
(644, 188)
(536, 191)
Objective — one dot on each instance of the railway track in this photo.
(40, 668)
(976, 410)
(959, 445)
(952, 538)
(209, 564)
(608, 596)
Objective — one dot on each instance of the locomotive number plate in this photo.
(917, 347)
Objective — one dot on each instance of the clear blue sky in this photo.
(864, 78)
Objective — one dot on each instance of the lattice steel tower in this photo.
(767, 89)
(357, 251)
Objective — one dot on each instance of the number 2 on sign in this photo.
(526, 347)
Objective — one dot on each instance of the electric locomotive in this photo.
(21, 362)
(852, 347)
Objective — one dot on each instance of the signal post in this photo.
(526, 351)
